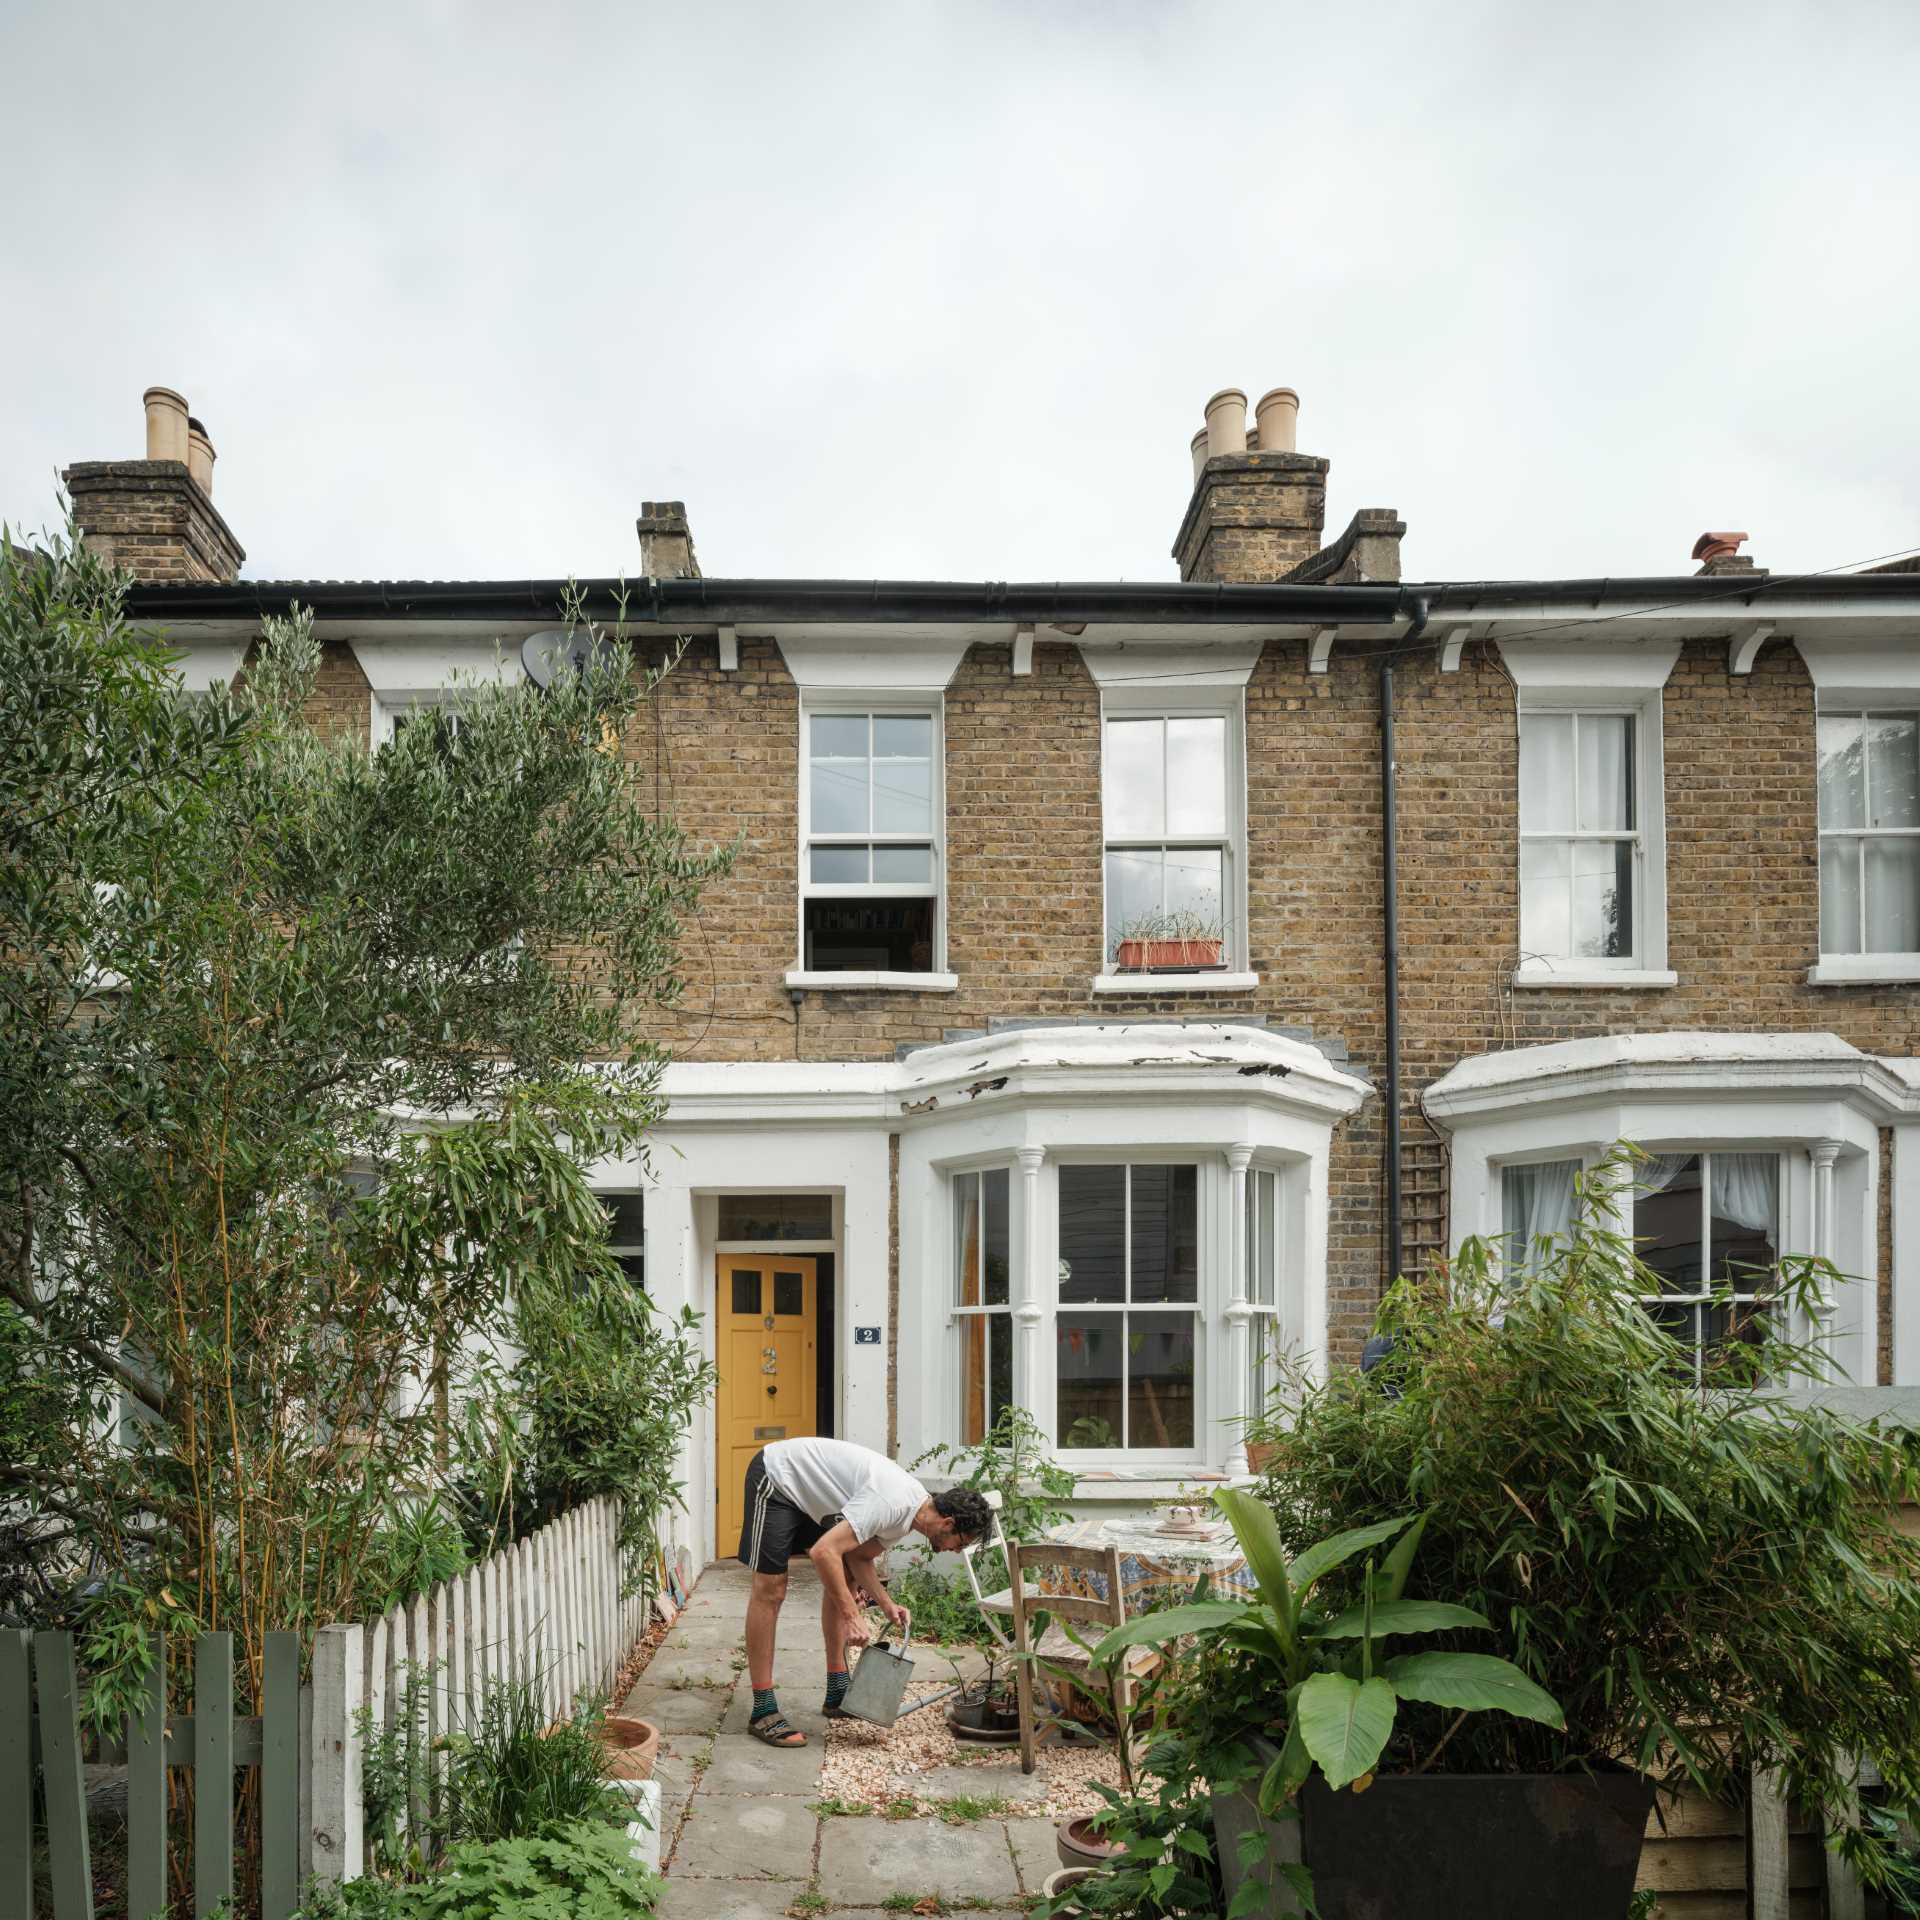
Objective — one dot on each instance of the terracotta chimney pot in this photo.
(1199, 453)
(1277, 414)
(1717, 546)
(1226, 422)
(199, 456)
(166, 424)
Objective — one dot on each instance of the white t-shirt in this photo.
(823, 1477)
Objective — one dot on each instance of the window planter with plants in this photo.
(1169, 943)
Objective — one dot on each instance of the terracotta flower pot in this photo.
(1079, 1846)
(1156, 956)
(630, 1748)
(1056, 1884)
(1260, 1455)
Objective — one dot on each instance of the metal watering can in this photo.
(879, 1683)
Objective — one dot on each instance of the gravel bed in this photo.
(869, 1765)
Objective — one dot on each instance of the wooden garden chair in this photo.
(1057, 1649)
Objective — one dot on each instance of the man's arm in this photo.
(829, 1555)
(864, 1564)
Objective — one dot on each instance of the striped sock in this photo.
(765, 1701)
(837, 1678)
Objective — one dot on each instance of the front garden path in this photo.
(743, 1827)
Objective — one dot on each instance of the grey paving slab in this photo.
(977, 1783)
(862, 1861)
(678, 1709)
(675, 1767)
(742, 1764)
(681, 1666)
(739, 1838)
(724, 1899)
(713, 1632)
(1034, 1851)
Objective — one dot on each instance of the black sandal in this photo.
(774, 1730)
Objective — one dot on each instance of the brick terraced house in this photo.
(1120, 982)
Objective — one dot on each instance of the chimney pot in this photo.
(1226, 422)
(1199, 454)
(200, 456)
(166, 424)
(1277, 414)
(1717, 546)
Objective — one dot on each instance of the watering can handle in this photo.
(906, 1640)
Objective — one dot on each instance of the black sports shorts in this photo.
(774, 1529)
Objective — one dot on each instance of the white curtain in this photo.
(1536, 1204)
(1746, 1190)
(1661, 1171)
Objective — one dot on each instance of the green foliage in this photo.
(304, 1052)
(517, 1775)
(580, 1872)
(1011, 1460)
(1331, 1690)
(420, 1545)
(944, 1610)
(1699, 1579)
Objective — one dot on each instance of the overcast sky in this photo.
(941, 290)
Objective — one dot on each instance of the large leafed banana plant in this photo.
(1342, 1690)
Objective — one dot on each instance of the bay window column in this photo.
(1029, 1313)
(1239, 1310)
(1823, 1153)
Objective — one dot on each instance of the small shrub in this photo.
(517, 1777)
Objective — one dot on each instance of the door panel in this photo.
(765, 1337)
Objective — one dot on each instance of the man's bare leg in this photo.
(833, 1631)
(763, 1620)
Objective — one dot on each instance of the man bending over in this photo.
(842, 1506)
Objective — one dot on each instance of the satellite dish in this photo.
(548, 655)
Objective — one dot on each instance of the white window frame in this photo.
(1571, 837)
(960, 1315)
(1263, 1309)
(1866, 964)
(389, 709)
(627, 1249)
(1562, 677)
(936, 979)
(1211, 1282)
(1707, 1296)
(1162, 701)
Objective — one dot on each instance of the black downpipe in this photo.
(1390, 917)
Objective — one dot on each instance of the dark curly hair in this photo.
(967, 1509)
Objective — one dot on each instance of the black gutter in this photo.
(1390, 925)
(1678, 591)
(702, 602)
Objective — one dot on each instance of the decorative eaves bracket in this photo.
(729, 650)
(1320, 648)
(1451, 643)
(1022, 650)
(1743, 646)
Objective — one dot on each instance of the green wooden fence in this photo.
(40, 1729)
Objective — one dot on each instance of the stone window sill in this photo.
(1864, 970)
(1601, 977)
(1152, 983)
(875, 982)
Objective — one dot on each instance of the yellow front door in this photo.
(767, 1322)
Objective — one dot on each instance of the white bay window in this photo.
(983, 1304)
(1127, 1327)
(1263, 1228)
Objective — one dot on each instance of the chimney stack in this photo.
(1257, 509)
(155, 517)
(666, 541)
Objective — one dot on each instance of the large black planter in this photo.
(1444, 1846)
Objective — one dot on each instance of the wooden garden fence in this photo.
(548, 1609)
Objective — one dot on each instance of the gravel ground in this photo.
(874, 1765)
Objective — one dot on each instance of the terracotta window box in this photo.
(1166, 956)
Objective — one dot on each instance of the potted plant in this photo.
(1333, 1678)
(1169, 942)
(1707, 1578)
(986, 1712)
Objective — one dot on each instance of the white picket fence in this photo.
(550, 1608)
